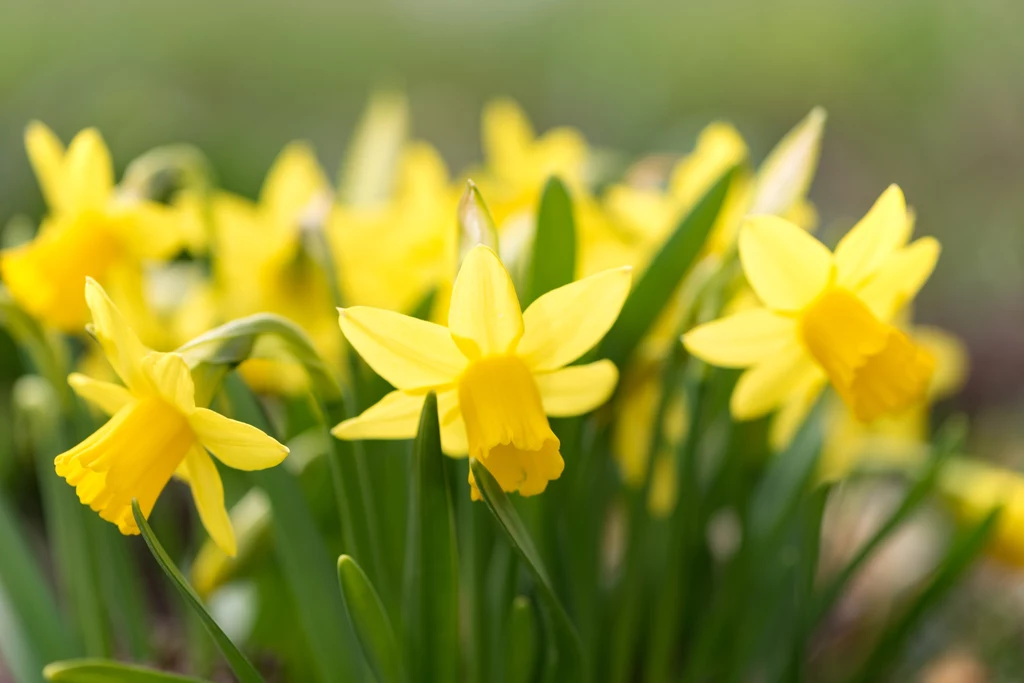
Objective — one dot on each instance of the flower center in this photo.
(875, 367)
(132, 456)
(506, 427)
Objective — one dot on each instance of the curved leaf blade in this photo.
(431, 571)
(654, 288)
(370, 622)
(553, 262)
(107, 671)
(570, 664)
(239, 663)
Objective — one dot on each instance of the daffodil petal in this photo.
(396, 416)
(236, 444)
(88, 171)
(293, 182)
(106, 396)
(883, 230)
(785, 265)
(565, 323)
(46, 154)
(764, 387)
(407, 352)
(786, 173)
(199, 470)
(794, 411)
(950, 356)
(454, 442)
(170, 378)
(577, 389)
(484, 318)
(120, 344)
(742, 339)
(900, 278)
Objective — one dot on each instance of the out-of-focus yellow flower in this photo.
(156, 431)
(825, 317)
(391, 254)
(90, 230)
(263, 264)
(780, 186)
(896, 439)
(974, 489)
(519, 162)
(498, 372)
(650, 213)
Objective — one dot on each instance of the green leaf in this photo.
(303, 556)
(786, 479)
(962, 553)
(570, 662)
(918, 493)
(553, 262)
(431, 578)
(370, 622)
(238, 662)
(107, 671)
(655, 287)
(521, 642)
(231, 343)
(32, 631)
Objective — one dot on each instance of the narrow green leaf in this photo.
(786, 479)
(654, 288)
(370, 622)
(553, 262)
(521, 642)
(232, 342)
(32, 631)
(918, 493)
(571, 664)
(107, 671)
(238, 662)
(431, 578)
(961, 555)
(303, 556)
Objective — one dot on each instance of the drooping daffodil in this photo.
(498, 372)
(156, 431)
(825, 317)
(91, 230)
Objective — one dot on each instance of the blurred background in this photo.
(926, 93)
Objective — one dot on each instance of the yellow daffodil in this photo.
(519, 162)
(263, 264)
(902, 438)
(416, 223)
(498, 372)
(974, 489)
(156, 431)
(91, 230)
(825, 317)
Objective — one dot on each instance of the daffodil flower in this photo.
(91, 230)
(498, 372)
(825, 318)
(156, 431)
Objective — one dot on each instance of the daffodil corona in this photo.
(156, 431)
(825, 318)
(498, 372)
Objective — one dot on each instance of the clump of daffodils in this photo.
(487, 316)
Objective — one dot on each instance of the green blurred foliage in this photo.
(928, 94)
